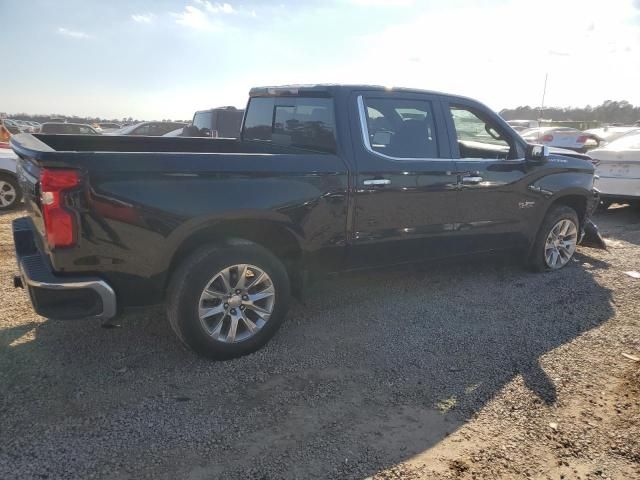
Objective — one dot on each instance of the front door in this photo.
(494, 202)
(406, 181)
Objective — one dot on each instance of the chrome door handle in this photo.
(378, 181)
(471, 180)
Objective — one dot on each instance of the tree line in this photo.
(610, 111)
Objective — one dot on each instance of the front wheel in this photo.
(557, 239)
(228, 301)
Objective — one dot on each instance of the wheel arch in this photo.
(275, 237)
(576, 200)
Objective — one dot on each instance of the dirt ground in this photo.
(449, 371)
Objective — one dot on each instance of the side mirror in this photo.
(537, 153)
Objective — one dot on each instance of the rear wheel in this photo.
(225, 302)
(10, 194)
(557, 239)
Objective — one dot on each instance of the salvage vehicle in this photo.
(68, 129)
(151, 129)
(222, 122)
(10, 193)
(618, 170)
(561, 137)
(323, 178)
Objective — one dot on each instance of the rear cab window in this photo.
(302, 122)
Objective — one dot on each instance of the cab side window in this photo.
(478, 137)
(401, 128)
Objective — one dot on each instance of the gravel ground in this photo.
(466, 370)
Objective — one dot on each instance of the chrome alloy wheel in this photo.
(236, 303)
(7, 194)
(560, 244)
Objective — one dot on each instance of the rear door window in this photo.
(401, 128)
(293, 121)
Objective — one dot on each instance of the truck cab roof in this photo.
(330, 89)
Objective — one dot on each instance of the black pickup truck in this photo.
(322, 179)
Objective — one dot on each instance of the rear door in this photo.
(493, 201)
(405, 195)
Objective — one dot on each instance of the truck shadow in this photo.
(372, 369)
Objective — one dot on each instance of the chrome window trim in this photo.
(364, 128)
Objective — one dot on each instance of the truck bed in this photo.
(42, 144)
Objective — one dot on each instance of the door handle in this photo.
(471, 180)
(378, 181)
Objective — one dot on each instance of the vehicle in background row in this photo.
(561, 137)
(149, 129)
(68, 129)
(223, 122)
(10, 193)
(108, 127)
(618, 170)
(178, 132)
(520, 125)
(609, 134)
(323, 178)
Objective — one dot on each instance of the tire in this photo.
(9, 201)
(192, 284)
(537, 260)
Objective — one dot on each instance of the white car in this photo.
(609, 134)
(618, 169)
(520, 125)
(561, 137)
(10, 194)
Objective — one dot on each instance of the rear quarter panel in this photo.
(137, 208)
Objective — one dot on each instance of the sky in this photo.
(156, 59)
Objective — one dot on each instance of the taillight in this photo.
(582, 138)
(59, 223)
(547, 138)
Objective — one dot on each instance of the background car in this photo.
(611, 133)
(222, 122)
(10, 193)
(618, 169)
(520, 125)
(68, 128)
(109, 127)
(153, 129)
(178, 132)
(561, 137)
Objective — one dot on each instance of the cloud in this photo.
(193, 17)
(216, 8)
(143, 17)
(382, 3)
(206, 16)
(72, 33)
(557, 53)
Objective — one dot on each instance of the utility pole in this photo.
(544, 92)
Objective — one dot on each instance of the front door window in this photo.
(479, 138)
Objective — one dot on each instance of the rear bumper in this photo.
(55, 296)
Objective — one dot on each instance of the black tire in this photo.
(11, 180)
(189, 281)
(537, 259)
